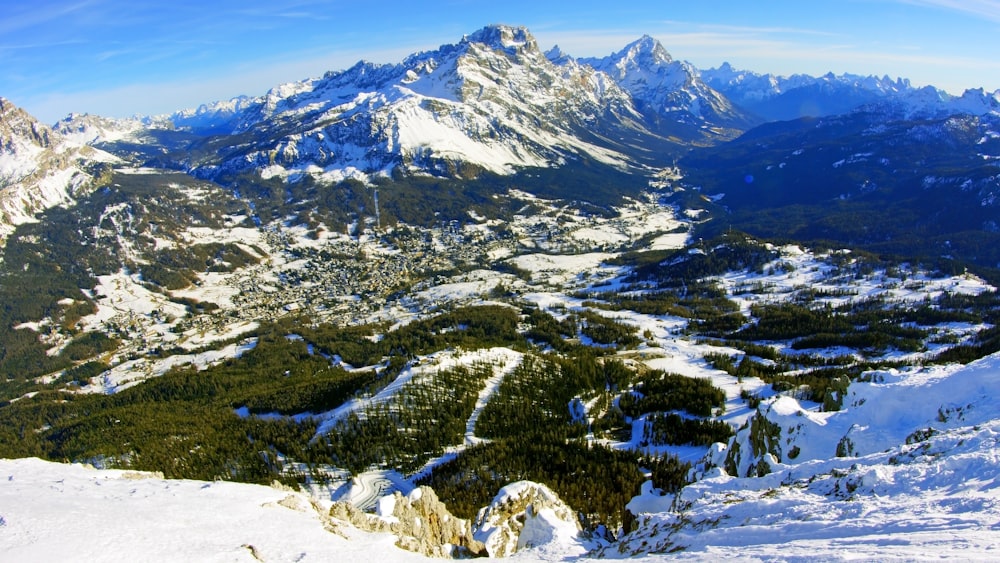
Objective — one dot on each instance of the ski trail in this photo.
(510, 362)
(504, 361)
(330, 418)
(506, 357)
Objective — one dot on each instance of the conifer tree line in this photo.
(186, 423)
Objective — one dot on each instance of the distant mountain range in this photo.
(777, 98)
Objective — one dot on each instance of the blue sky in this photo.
(127, 57)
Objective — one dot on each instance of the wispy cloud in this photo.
(31, 16)
(748, 30)
(161, 97)
(985, 9)
(295, 10)
(682, 34)
(30, 46)
(685, 44)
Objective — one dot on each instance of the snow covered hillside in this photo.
(924, 486)
(908, 470)
(54, 512)
(906, 467)
(39, 168)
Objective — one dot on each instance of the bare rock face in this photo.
(525, 515)
(39, 169)
(422, 523)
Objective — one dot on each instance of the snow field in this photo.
(51, 512)
(897, 497)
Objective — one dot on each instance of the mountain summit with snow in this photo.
(667, 89)
(40, 168)
(492, 102)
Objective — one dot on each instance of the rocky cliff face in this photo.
(39, 168)
(420, 521)
(523, 515)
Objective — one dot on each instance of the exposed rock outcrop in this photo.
(422, 523)
(524, 515)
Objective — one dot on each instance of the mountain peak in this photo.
(557, 56)
(16, 123)
(503, 37)
(646, 50)
(666, 86)
(642, 55)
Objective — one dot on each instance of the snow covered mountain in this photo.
(492, 102)
(495, 103)
(420, 288)
(781, 98)
(40, 168)
(667, 89)
(86, 129)
(207, 119)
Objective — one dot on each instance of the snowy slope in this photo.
(932, 495)
(908, 468)
(666, 87)
(53, 512)
(893, 407)
(915, 477)
(39, 168)
(935, 499)
(491, 102)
